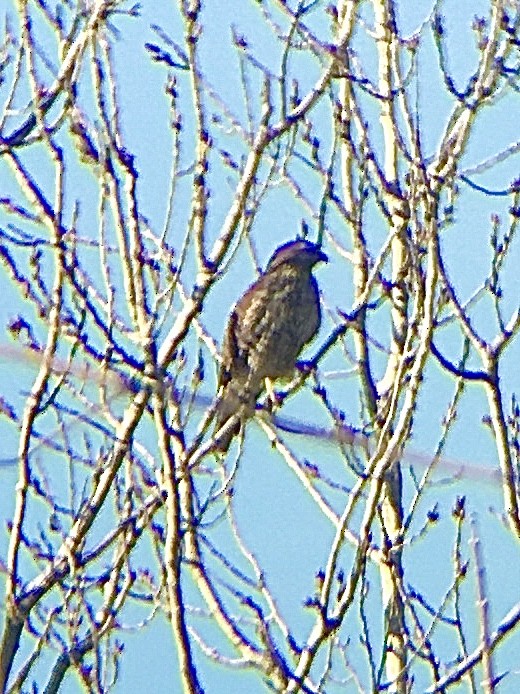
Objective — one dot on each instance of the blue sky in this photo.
(278, 521)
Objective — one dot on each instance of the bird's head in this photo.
(302, 253)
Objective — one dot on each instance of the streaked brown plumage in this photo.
(266, 331)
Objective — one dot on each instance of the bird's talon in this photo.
(274, 400)
(305, 367)
(269, 405)
(279, 397)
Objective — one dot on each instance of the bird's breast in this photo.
(290, 320)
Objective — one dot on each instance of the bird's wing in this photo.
(232, 359)
(255, 313)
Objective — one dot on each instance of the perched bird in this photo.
(266, 331)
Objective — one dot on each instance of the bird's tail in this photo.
(229, 404)
(238, 401)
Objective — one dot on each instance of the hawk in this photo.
(266, 331)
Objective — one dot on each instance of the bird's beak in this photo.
(323, 257)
